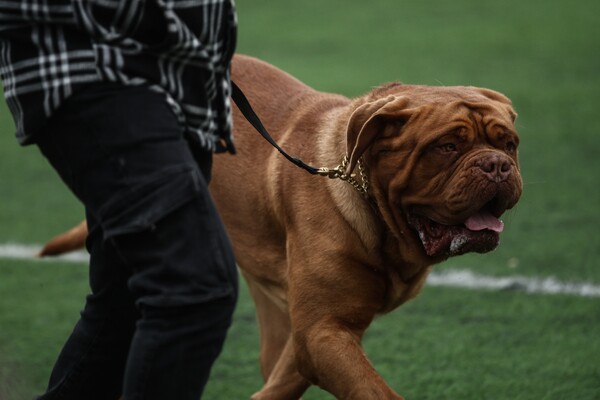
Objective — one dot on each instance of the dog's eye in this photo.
(448, 148)
(511, 147)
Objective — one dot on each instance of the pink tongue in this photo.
(484, 220)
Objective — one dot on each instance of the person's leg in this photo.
(181, 331)
(131, 166)
(92, 361)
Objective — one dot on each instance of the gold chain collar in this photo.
(339, 173)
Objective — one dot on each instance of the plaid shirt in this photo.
(50, 49)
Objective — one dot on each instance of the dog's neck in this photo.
(387, 249)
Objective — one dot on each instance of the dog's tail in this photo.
(70, 240)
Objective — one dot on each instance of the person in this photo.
(128, 101)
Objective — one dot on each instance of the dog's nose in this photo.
(496, 167)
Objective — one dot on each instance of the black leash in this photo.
(334, 173)
(244, 105)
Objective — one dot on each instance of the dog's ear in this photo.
(368, 120)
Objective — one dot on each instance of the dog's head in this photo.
(442, 163)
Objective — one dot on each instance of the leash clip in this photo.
(331, 173)
(339, 173)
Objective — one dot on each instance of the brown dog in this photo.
(437, 168)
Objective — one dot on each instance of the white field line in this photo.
(17, 251)
(470, 280)
(450, 277)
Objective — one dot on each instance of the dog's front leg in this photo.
(285, 382)
(330, 310)
(332, 357)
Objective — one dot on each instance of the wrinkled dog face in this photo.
(447, 167)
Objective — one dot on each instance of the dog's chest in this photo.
(399, 291)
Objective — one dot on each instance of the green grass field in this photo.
(449, 343)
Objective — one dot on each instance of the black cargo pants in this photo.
(162, 273)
